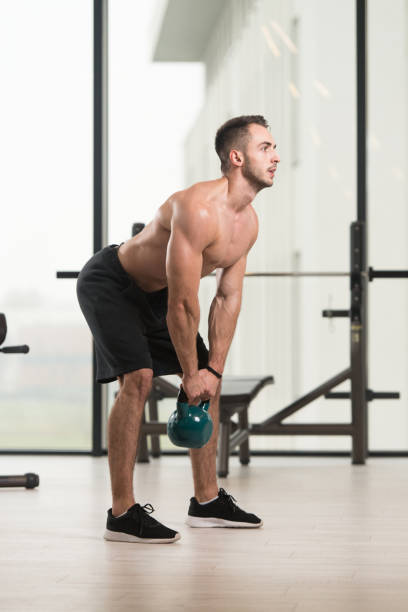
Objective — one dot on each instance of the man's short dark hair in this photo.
(234, 134)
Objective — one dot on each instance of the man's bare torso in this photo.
(144, 256)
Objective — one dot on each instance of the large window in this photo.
(46, 220)
(151, 108)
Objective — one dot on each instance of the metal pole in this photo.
(361, 27)
(358, 259)
(297, 274)
(100, 203)
(285, 274)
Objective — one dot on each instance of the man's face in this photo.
(260, 157)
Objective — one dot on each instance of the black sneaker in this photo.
(138, 526)
(222, 512)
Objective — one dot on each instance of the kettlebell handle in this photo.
(182, 397)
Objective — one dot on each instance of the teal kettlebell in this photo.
(189, 426)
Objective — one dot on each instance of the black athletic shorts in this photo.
(128, 324)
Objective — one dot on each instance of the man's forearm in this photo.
(182, 322)
(222, 322)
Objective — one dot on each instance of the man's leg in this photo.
(203, 460)
(123, 435)
(222, 512)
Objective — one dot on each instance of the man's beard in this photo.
(255, 181)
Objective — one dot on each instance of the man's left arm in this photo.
(224, 312)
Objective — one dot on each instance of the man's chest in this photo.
(233, 241)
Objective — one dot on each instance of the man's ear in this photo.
(236, 157)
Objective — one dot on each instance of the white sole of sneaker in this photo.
(119, 536)
(198, 521)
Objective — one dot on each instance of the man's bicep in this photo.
(230, 280)
(184, 263)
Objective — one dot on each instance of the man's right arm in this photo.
(192, 230)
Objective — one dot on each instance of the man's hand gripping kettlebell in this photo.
(201, 386)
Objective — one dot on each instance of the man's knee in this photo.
(138, 382)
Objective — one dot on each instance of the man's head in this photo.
(245, 142)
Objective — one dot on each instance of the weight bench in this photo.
(236, 395)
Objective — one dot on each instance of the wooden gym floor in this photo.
(335, 539)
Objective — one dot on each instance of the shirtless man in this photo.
(140, 300)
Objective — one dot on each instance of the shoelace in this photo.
(142, 515)
(228, 499)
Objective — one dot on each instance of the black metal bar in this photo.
(100, 177)
(97, 206)
(358, 343)
(24, 451)
(67, 274)
(304, 400)
(371, 275)
(293, 274)
(62, 274)
(358, 257)
(331, 314)
(379, 395)
(98, 100)
(371, 395)
(386, 274)
(361, 30)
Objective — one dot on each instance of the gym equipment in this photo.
(190, 426)
(3, 333)
(28, 480)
